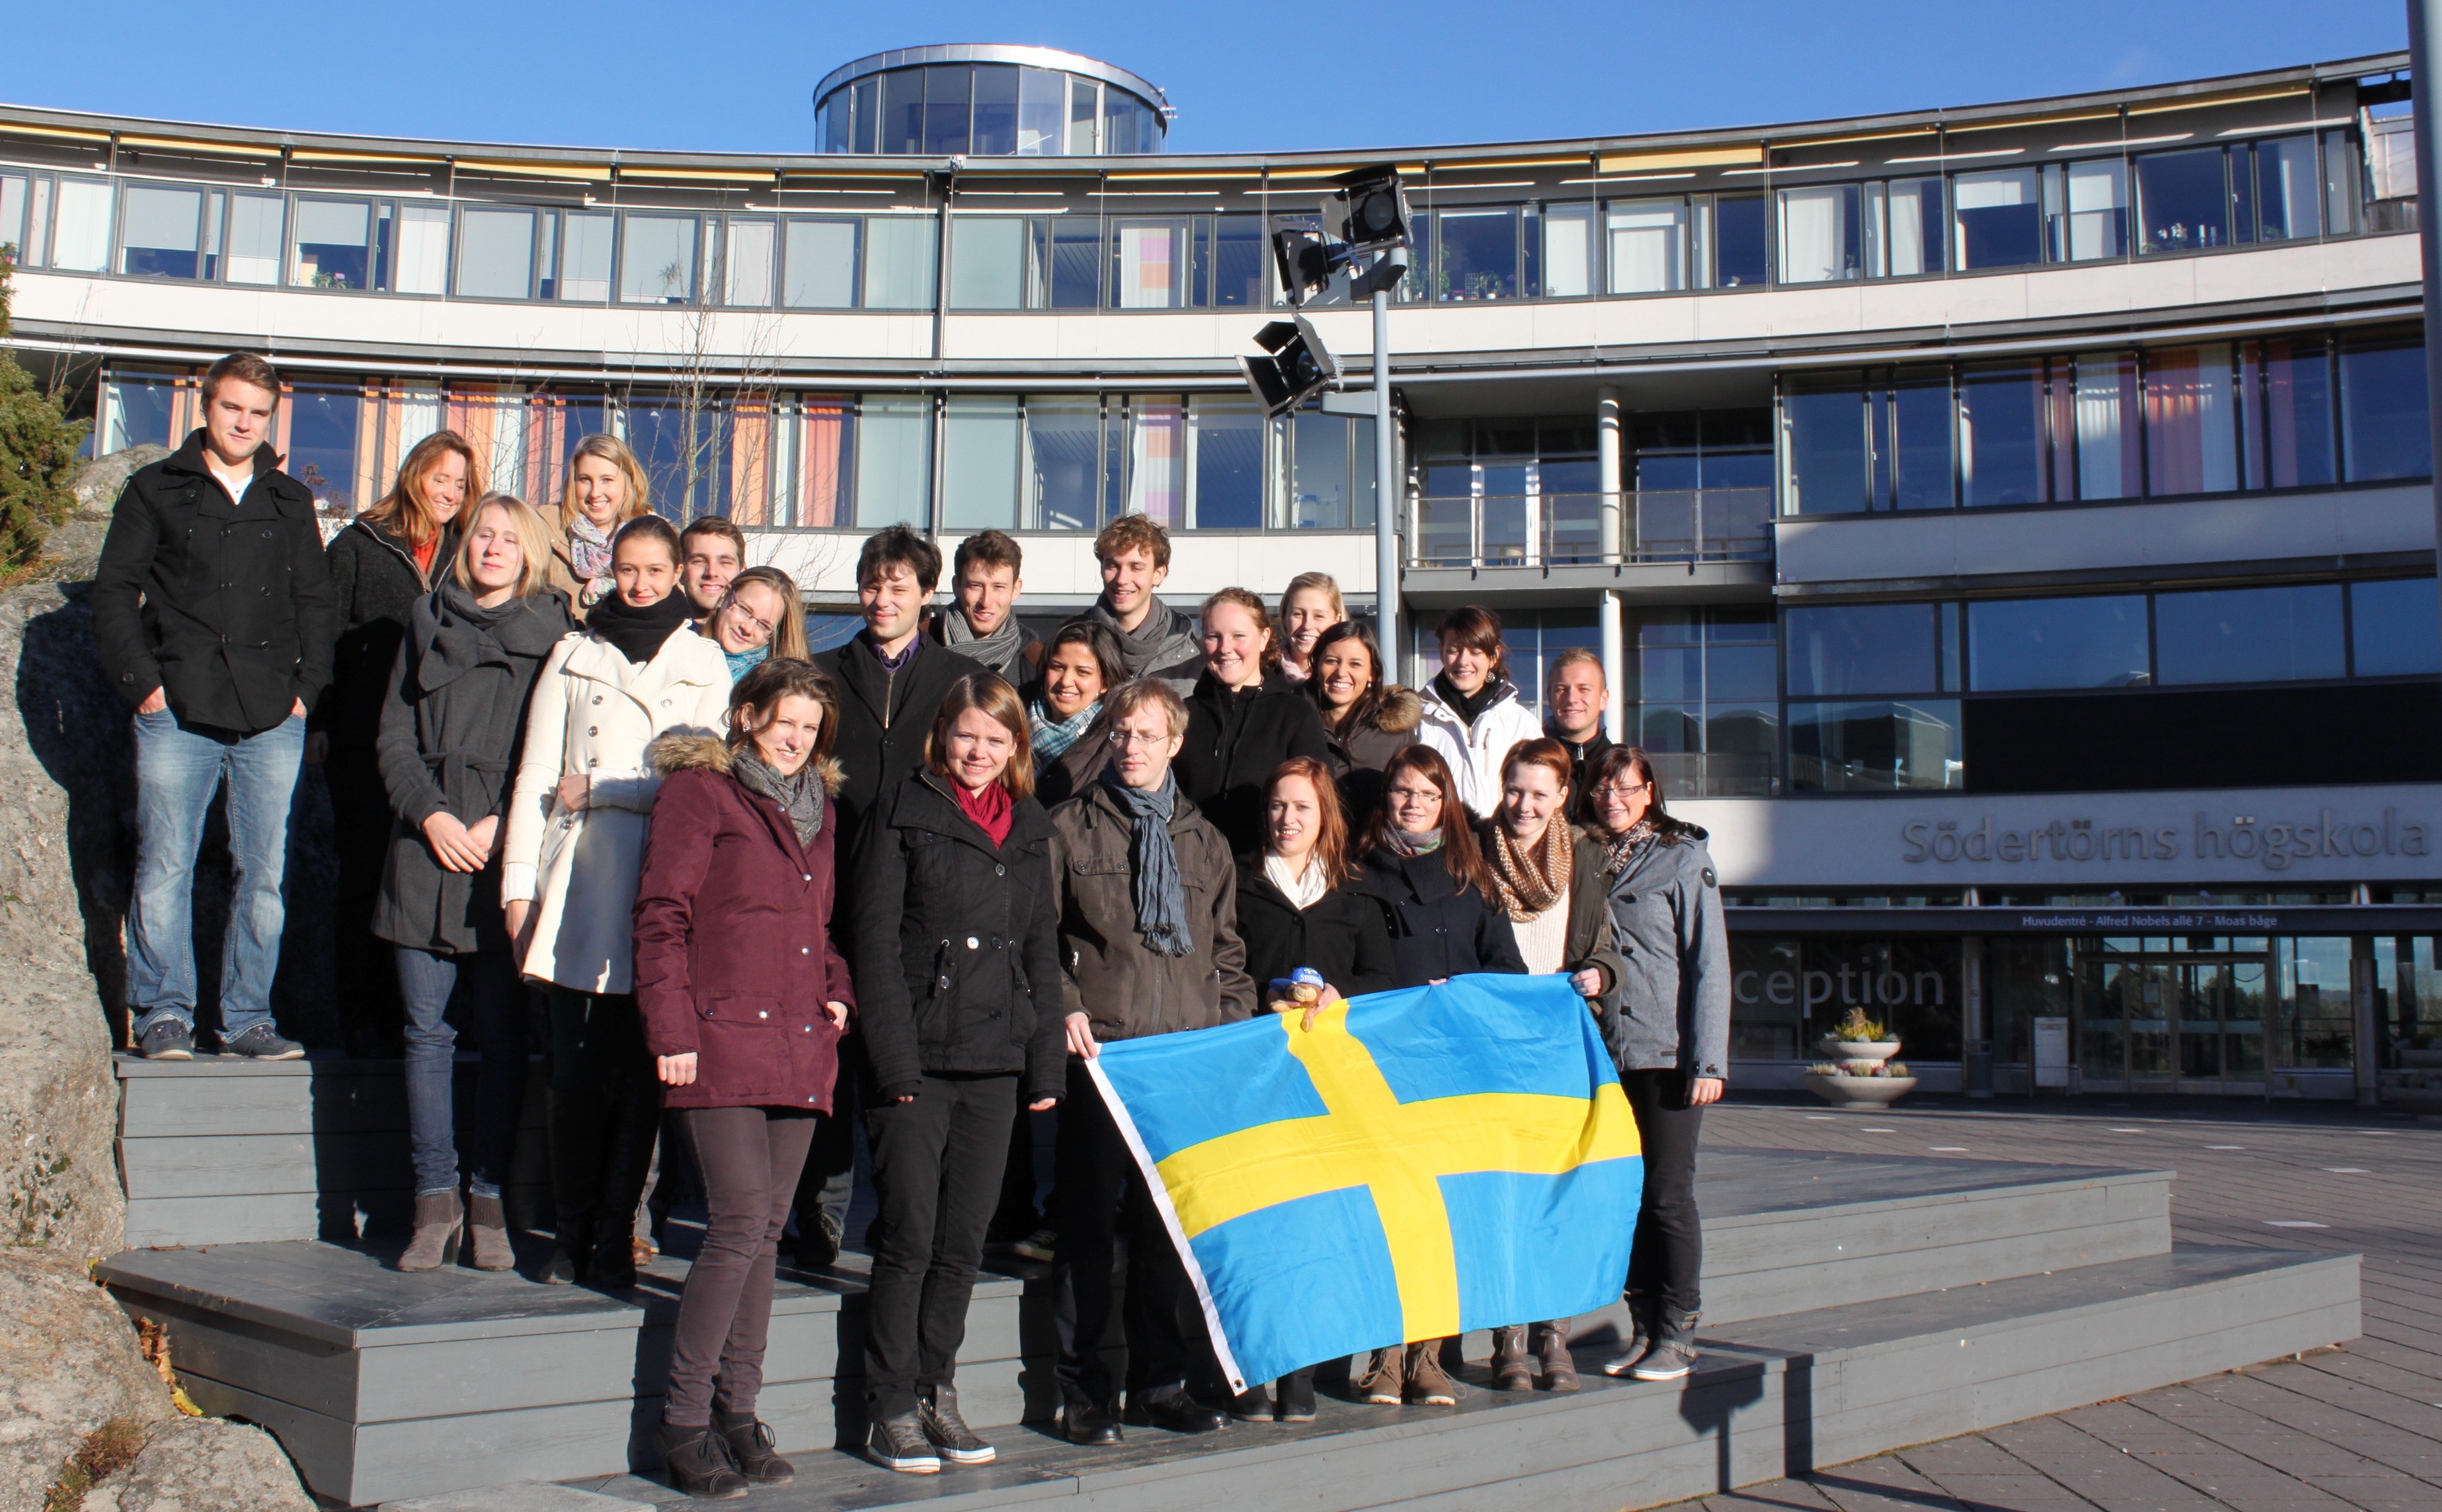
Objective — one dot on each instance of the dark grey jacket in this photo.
(1127, 991)
(1667, 924)
(452, 723)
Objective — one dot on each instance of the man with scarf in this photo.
(1148, 910)
(1157, 640)
(982, 624)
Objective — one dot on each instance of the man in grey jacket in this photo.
(1147, 897)
(1155, 639)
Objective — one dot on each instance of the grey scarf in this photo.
(1000, 650)
(1163, 640)
(801, 797)
(1160, 898)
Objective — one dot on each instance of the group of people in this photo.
(912, 884)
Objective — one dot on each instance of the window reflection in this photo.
(2000, 219)
(2185, 201)
(2250, 635)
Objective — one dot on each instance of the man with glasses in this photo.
(1148, 928)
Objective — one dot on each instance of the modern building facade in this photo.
(2011, 526)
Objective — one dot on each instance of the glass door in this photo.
(2180, 1023)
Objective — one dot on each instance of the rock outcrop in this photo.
(203, 1464)
(69, 1363)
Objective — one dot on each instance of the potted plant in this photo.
(1858, 1038)
(1860, 1084)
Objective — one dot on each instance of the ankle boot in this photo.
(750, 1448)
(437, 1223)
(1640, 1334)
(487, 1233)
(1671, 1352)
(1428, 1385)
(696, 1462)
(1512, 1371)
(1552, 1353)
(1380, 1377)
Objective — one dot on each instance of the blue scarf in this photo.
(1160, 898)
(1052, 737)
(741, 663)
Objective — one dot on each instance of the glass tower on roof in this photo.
(987, 100)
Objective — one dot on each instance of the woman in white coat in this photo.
(572, 848)
(1472, 712)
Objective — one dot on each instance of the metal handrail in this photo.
(1567, 530)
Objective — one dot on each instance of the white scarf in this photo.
(1305, 890)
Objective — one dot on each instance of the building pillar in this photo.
(1976, 1021)
(1614, 662)
(2367, 1056)
(1607, 454)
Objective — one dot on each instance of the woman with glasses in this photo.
(1422, 868)
(1669, 1036)
(760, 618)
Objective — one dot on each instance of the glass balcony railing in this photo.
(1564, 530)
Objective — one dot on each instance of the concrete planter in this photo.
(1844, 1091)
(1836, 1049)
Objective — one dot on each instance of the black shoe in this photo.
(1254, 1405)
(817, 1247)
(696, 1462)
(898, 1443)
(262, 1043)
(949, 1432)
(1177, 1411)
(167, 1041)
(750, 1448)
(1085, 1423)
(1296, 1397)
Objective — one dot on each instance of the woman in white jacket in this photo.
(1472, 712)
(573, 848)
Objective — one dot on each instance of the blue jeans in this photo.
(496, 1001)
(177, 771)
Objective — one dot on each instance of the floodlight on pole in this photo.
(1373, 205)
(1304, 257)
(1296, 368)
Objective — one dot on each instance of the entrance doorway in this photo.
(2173, 1023)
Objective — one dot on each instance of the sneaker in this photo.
(948, 1431)
(1041, 1246)
(1296, 1394)
(262, 1043)
(899, 1443)
(168, 1040)
(1673, 1352)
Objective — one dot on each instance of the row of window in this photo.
(2280, 412)
(986, 110)
(2284, 188)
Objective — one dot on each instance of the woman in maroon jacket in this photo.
(743, 997)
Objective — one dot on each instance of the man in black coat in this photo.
(214, 617)
(892, 678)
(1574, 700)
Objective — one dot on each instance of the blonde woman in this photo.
(1309, 606)
(382, 565)
(453, 717)
(575, 837)
(606, 488)
(760, 618)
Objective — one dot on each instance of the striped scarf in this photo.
(1052, 737)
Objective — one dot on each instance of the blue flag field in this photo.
(1416, 1164)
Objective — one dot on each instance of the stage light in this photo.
(1304, 259)
(1296, 368)
(1377, 209)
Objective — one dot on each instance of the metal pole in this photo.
(2424, 62)
(1387, 493)
(1614, 664)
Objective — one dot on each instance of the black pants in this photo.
(604, 1109)
(937, 1164)
(371, 1020)
(750, 1158)
(1101, 1197)
(1667, 1259)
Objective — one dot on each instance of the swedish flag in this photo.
(1416, 1164)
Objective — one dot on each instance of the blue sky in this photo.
(737, 74)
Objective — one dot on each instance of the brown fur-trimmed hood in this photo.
(1402, 710)
(683, 751)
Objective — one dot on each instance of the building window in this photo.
(1646, 245)
(147, 409)
(1148, 264)
(254, 222)
(1703, 700)
(1741, 240)
(981, 438)
(1863, 744)
(2384, 431)
(12, 216)
(1904, 228)
(322, 443)
(2094, 222)
(1225, 442)
(900, 251)
(331, 250)
(746, 265)
(894, 461)
(995, 120)
(2184, 200)
(1063, 453)
(819, 267)
(411, 247)
(902, 112)
(1821, 236)
(2250, 635)
(2016, 645)
(161, 232)
(1042, 92)
(2289, 190)
(2394, 627)
(2001, 433)
(2102, 429)
(988, 256)
(2000, 218)
(1477, 254)
(949, 90)
(495, 253)
(1566, 266)
(656, 258)
(1231, 247)
(1330, 472)
(585, 242)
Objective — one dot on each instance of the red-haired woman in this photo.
(1424, 870)
(1296, 911)
(386, 561)
(958, 966)
(743, 997)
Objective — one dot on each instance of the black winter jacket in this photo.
(1342, 935)
(956, 943)
(1360, 750)
(1235, 741)
(883, 719)
(1582, 757)
(225, 606)
(1437, 931)
(453, 722)
(376, 586)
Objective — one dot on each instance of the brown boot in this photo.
(1381, 1378)
(437, 1223)
(1428, 1385)
(487, 1233)
(1512, 1371)
(1552, 1352)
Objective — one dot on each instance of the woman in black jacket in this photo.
(958, 984)
(451, 727)
(1366, 721)
(1082, 664)
(1424, 869)
(1243, 718)
(382, 565)
(1295, 911)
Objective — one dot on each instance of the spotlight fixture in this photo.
(1296, 367)
(1377, 209)
(1304, 257)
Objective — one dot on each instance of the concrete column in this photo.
(1614, 659)
(1607, 453)
(2368, 1056)
(1976, 1024)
